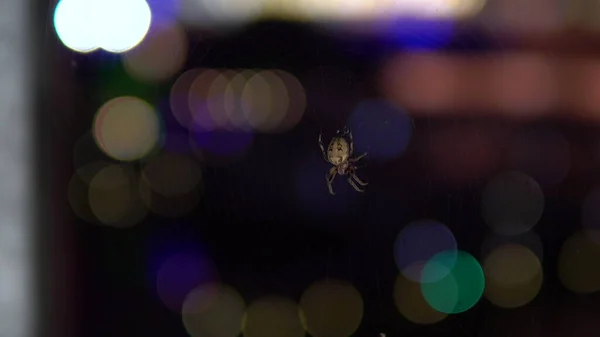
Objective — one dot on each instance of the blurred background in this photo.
(188, 192)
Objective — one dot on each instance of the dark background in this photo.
(263, 239)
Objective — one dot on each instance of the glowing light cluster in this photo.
(160, 55)
(262, 100)
(113, 25)
(360, 10)
(449, 280)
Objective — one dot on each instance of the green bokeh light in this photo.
(460, 289)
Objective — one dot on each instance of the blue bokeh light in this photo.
(380, 129)
(419, 34)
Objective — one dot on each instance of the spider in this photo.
(338, 153)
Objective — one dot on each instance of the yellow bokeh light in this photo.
(273, 316)
(296, 103)
(331, 308)
(160, 55)
(512, 203)
(213, 310)
(578, 264)
(265, 101)
(113, 199)
(126, 128)
(513, 276)
(199, 97)
(412, 305)
(179, 98)
(216, 98)
(172, 174)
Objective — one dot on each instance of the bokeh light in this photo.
(73, 25)
(380, 129)
(578, 264)
(460, 289)
(222, 144)
(113, 25)
(77, 196)
(459, 154)
(160, 56)
(331, 308)
(179, 98)
(412, 305)
(417, 243)
(127, 128)
(265, 101)
(273, 316)
(213, 310)
(513, 275)
(179, 274)
(170, 206)
(590, 214)
(512, 203)
(418, 33)
(270, 101)
(172, 174)
(88, 158)
(530, 239)
(113, 197)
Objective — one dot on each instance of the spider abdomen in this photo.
(338, 151)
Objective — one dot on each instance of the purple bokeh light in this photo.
(223, 143)
(417, 243)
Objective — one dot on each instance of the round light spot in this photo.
(460, 289)
(179, 98)
(113, 198)
(179, 274)
(172, 174)
(590, 214)
(417, 243)
(331, 308)
(578, 264)
(513, 276)
(297, 101)
(73, 25)
(202, 105)
(171, 206)
(411, 304)
(530, 239)
(213, 310)
(127, 128)
(234, 105)
(273, 316)
(120, 25)
(265, 99)
(512, 203)
(160, 56)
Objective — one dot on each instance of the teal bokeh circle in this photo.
(460, 289)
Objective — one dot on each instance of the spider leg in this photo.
(329, 178)
(351, 141)
(322, 146)
(362, 183)
(354, 160)
(354, 185)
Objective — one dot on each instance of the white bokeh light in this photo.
(72, 24)
(121, 25)
(113, 25)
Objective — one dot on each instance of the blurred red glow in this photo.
(521, 86)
